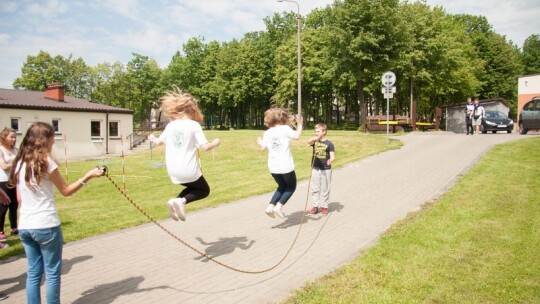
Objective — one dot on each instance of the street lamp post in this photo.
(299, 58)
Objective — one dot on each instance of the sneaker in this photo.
(278, 211)
(3, 296)
(314, 210)
(3, 237)
(14, 232)
(179, 205)
(4, 245)
(324, 210)
(270, 210)
(172, 212)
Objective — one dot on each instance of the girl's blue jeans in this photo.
(43, 249)
(286, 186)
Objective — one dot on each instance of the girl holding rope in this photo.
(280, 160)
(182, 137)
(35, 175)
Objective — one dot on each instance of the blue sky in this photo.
(108, 31)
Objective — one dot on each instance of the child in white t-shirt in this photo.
(280, 160)
(182, 137)
(35, 174)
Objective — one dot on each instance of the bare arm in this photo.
(332, 157)
(153, 139)
(67, 190)
(211, 145)
(4, 198)
(261, 144)
(299, 127)
(3, 164)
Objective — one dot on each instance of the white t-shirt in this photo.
(277, 140)
(182, 137)
(8, 159)
(38, 209)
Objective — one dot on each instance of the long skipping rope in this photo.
(149, 217)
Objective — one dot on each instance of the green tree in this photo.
(366, 37)
(40, 70)
(531, 55)
(145, 85)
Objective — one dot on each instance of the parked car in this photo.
(529, 118)
(497, 121)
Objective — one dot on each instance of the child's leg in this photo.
(282, 185)
(290, 186)
(315, 186)
(196, 190)
(326, 180)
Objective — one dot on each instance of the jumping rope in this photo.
(149, 217)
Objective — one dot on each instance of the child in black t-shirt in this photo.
(321, 174)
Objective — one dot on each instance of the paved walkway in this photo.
(145, 265)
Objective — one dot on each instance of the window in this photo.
(114, 129)
(56, 126)
(15, 124)
(95, 129)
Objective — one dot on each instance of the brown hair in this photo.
(177, 104)
(277, 116)
(4, 134)
(34, 150)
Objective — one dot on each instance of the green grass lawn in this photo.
(479, 243)
(235, 170)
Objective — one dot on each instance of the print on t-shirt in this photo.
(276, 143)
(178, 136)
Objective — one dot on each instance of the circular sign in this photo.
(388, 79)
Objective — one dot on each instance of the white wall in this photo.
(75, 140)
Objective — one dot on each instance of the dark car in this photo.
(529, 118)
(497, 121)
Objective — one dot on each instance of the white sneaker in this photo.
(172, 212)
(270, 210)
(278, 212)
(179, 205)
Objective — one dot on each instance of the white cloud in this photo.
(8, 6)
(4, 39)
(47, 9)
(109, 31)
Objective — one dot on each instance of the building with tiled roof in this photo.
(83, 128)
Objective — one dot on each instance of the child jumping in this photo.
(182, 137)
(280, 160)
(321, 172)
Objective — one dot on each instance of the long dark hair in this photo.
(34, 150)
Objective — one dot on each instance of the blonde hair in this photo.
(34, 150)
(4, 134)
(177, 104)
(322, 127)
(277, 116)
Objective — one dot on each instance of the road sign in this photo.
(388, 95)
(385, 90)
(388, 79)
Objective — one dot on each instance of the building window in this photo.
(56, 126)
(95, 129)
(15, 124)
(114, 128)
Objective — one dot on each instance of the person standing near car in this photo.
(468, 112)
(477, 115)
